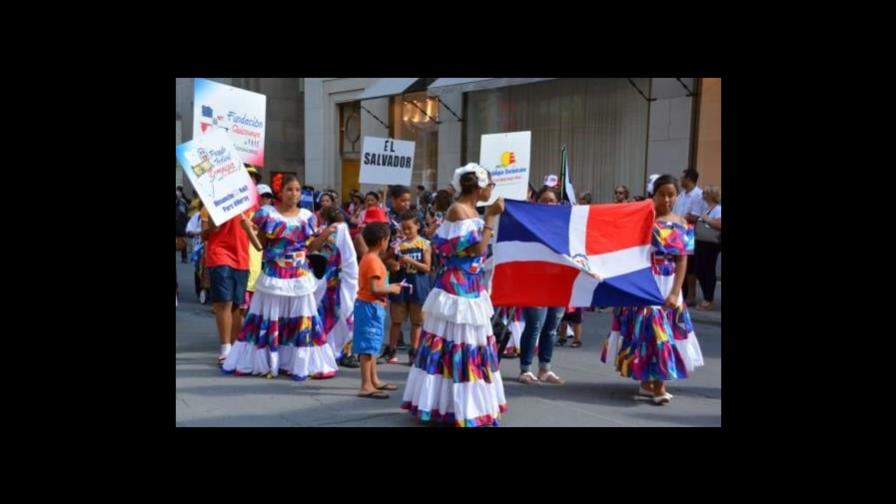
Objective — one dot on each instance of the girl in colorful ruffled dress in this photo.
(339, 286)
(655, 344)
(283, 330)
(455, 377)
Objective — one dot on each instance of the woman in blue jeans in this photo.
(541, 325)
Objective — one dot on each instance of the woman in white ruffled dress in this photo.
(455, 377)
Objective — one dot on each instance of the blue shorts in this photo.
(370, 325)
(228, 285)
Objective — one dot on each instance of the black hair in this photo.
(375, 194)
(399, 191)
(329, 194)
(663, 180)
(374, 233)
(287, 179)
(422, 188)
(442, 200)
(469, 182)
(547, 189)
(691, 175)
(331, 215)
(586, 196)
(409, 215)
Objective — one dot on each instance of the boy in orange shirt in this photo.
(370, 312)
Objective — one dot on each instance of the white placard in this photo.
(217, 173)
(239, 112)
(386, 161)
(506, 157)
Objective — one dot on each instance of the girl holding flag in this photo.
(654, 344)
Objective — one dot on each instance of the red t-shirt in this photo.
(228, 245)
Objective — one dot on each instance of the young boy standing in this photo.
(370, 312)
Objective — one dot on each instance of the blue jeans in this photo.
(541, 323)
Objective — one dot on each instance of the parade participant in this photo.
(455, 377)
(283, 329)
(654, 344)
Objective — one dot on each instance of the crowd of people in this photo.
(302, 292)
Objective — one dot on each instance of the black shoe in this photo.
(388, 356)
(387, 353)
(412, 356)
(350, 361)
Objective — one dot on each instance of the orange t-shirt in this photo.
(371, 267)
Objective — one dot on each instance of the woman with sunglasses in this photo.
(620, 194)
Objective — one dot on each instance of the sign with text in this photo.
(386, 161)
(239, 112)
(506, 157)
(217, 173)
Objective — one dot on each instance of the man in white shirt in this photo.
(690, 206)
(689, 203)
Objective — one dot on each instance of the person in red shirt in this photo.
(227, 262)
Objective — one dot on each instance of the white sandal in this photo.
(646, 393)
(528, 378)
(550, 377)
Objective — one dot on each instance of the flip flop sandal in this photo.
(576, 344)
(528, 378)
(550, 377)
(387, 386)
(375, 395)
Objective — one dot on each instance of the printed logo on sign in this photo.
(507, 158)
(209, 119)
(199, 161)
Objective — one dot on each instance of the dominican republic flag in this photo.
(547, 255)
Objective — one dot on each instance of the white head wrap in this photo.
(481, 175)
